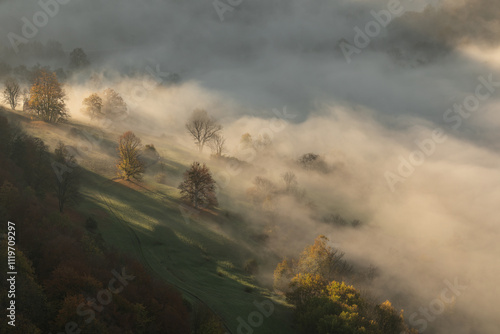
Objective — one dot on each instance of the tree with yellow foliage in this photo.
(92, 106)
(317, 259)
(324, 305)
(130, 164)
(47, 98)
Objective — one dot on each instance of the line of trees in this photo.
(106, 104)
(198, 187)
(63, 264)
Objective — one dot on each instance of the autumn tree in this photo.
(283, 274)
(130, 164)
(323, 305)
(198, 187)
(12, 92)
(113, 105)
(68, 175)
(47, 97)
(217, 144)
(246, 140)
(92, 106)
(106, 104)
(322, 259)
(78, 59)
(317, 259)
(202, 127)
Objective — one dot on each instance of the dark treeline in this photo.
(64, 268)
(24, 63)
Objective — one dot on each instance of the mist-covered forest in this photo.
(249, 167)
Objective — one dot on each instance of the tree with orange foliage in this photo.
(47, 98)
(130, 164)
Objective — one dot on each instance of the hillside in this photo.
(201, 253)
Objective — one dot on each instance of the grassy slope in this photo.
(202, 254)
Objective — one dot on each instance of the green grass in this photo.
(194, 254)
(202, 254)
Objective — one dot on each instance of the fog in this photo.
(276, 67)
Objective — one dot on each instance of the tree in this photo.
(11, 92)
(32, 158)
(312, 161)
(47, 97)
(130, 164)
(317, 259)
(246, 140)
(26, 99)
(202, 127)
(290, 180)
(323, 305)
(78, 59)
(113, 105)
(198, 186)
(217, 144)
(67, 177)
(283, 274)
(263, 192)
(106, 104)
(322, 259)
(92, 106)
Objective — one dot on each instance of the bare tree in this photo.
(217, 144)
(202, 127)
(290, 180)
(11, 92)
